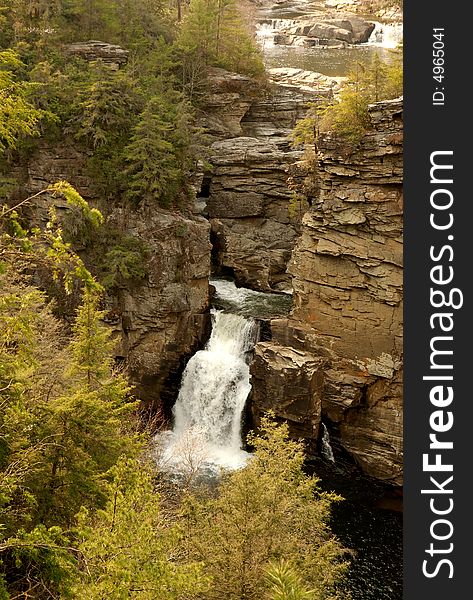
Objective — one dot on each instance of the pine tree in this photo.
(19, 118)
(285, 583)
(128, 549)
(87, 425)
(64, 422)
(158, 155)
(267, 511)
(108, 109)
(214, 32)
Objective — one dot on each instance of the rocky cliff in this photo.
(347, 316)
(157, 319)
(246, 193)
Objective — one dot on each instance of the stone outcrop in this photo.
(248, 205)
(164, 317)
(347, 280)
(111, 55)
(293, 381)
(247, 197)
(227, 101)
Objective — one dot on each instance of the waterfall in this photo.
(267, 29)
(326, 448)
(386, 35)
(208, 410)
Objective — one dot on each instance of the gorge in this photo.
(274, 284)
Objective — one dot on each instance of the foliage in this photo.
(107, 108)
(159, 156)
(46, 558)
(348, 117)
(18, 116)
(285, 584)
(214, 33)
(125, 259)
(296, 206)
(45, 21)
(267, 511)
(63, 425)
(136, 124)
(130, 551)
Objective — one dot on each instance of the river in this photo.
(206, 436)
(374, 534)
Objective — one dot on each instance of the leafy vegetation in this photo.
(18, 115)
(214, 33)
(348, 116)
(137, 122)
(80, 515)
(268, 511)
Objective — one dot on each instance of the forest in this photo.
(85, 511)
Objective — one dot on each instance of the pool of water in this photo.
(333, 62)
(249, 303)
(374, 534)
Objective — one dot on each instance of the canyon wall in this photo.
(347, 315)
(246, 194)
(157, 319)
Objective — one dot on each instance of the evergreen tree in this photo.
(285, 583)
(18, 116)
(128, 549)
(265, 512)
(87, 425)
(159, 154)
(214, 32)
(348, 116)
(107, 111)
(65, 414)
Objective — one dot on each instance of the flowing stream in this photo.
(375, 535)
(326, 449)
(249, 303)
(206, 435)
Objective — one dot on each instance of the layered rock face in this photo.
(111, 55)
(347, 279)
(163, 317)
(248, 206)
(291, 381)
(247, 196)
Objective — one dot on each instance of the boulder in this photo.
(110, 54)
(289, 383)
(352, 30)
(327, 31)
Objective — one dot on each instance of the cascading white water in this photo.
(266, 30)
(386, 35)
(326, 449)
(208, 410)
